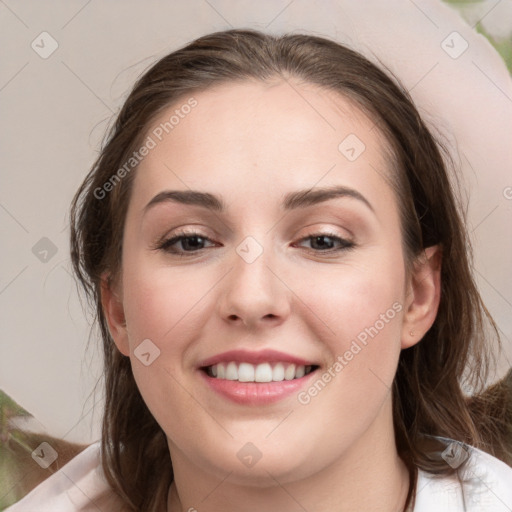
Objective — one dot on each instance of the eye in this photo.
(188, 243)
(327, 242)
(183, 243)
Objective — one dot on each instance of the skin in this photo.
(252, 143)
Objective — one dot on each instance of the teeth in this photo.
(264, 372)
(289, 373)
(278, 372)
(245, 372)
(232, 371)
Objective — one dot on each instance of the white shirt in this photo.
(80, 486)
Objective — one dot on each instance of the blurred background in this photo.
(66, 68)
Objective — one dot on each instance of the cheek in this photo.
(362, 317)
(351, 299)
(161, 303)
(168, 307)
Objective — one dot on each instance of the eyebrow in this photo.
(292, 200)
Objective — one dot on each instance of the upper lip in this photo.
(262, 356)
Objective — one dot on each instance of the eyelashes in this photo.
(187, 244)
(196, 238)
(319, 239)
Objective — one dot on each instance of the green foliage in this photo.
(503, 45)
(11, 442)
(463, 2)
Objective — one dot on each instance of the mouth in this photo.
(258, 373)
(256, 378)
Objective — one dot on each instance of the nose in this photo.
(254, 294)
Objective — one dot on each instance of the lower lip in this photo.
(256, 393)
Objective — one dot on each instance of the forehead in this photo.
(252, 135)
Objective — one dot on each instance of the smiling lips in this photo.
(256, 377)
(263, 372)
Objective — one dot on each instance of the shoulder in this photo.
(482, 482)
(79, 486)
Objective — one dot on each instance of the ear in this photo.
(423, 296)
(112, 303)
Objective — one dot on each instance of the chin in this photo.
(250, 466)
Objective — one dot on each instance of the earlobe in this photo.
(113, 310)
(423, 296)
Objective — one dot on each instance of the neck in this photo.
(369, 476)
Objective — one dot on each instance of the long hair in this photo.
(428, 397)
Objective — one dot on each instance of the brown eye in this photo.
(327, 242)
(185, 243)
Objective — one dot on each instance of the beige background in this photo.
(55, 111)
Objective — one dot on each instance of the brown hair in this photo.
(427, 394)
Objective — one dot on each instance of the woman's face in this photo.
(317, 278)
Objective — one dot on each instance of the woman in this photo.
(282, 282)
